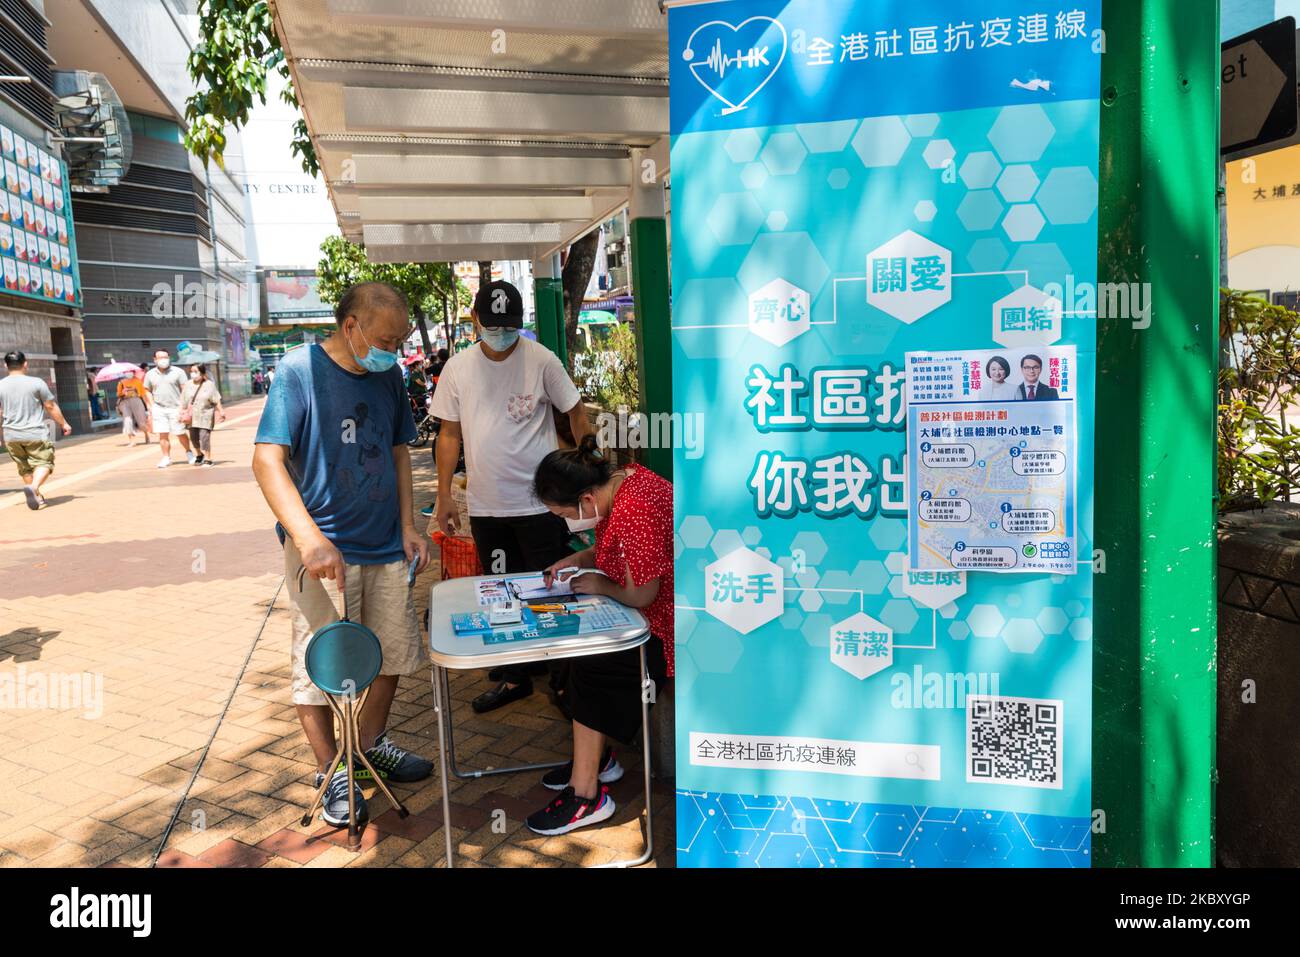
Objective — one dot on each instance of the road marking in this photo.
(57, 485)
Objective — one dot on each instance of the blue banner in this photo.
(854, 182)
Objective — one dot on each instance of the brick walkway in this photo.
(162, 588)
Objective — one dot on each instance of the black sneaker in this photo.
(557, 779)
(392, 763)
(334, 809)
(568, 812)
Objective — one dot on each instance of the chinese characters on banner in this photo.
(992, 438)
(873, 203)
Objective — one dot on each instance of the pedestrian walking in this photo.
(25, 402)
(201, 411)
(131, 407)
(164, 384)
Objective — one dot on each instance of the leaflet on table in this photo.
(991, 446)
(525, 587)
(583, 619)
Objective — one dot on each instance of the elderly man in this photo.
(332, 461)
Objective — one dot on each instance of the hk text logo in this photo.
(735, 62)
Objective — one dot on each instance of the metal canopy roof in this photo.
(478, 129)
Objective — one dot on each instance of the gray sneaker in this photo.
(392, 763)
(334, 809)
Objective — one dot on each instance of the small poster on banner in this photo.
(24, 184)
(6, 240)
(4, 204)
(29, 216)
(40, 221)
(47, 161)
(58, 285)
(33, 164)
(69, 294)
(991, 443)
(56, 177)
(47, 282)
(24, 278)
(11, 274)
(6, 142)
(43, 250)
(20, 152)
(20, 244)
(58, 197)
(62, 225)
(11, 176)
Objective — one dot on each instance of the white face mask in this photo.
(581, 524)
(164, 363)
(195, 377)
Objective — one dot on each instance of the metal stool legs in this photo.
(350, 752)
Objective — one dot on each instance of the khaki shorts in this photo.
(378, 597)
(31, 454)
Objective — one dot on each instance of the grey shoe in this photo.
(334, 809)
(393, 763)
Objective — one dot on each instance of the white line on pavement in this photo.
(57, 485)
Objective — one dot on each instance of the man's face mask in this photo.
(164, 363)
(499, 339)
(375, 360)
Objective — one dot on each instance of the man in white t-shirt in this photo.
(163, 384)
(498, 397)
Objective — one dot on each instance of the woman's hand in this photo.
(590, 583)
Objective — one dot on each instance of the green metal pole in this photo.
(652, 292)
(1154, 615)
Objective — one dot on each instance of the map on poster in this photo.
(991, 438)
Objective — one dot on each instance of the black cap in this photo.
(499, 304)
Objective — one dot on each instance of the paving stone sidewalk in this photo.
(144, 633)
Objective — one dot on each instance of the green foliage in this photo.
(608, 377)
(344, 264)
(1259, 399)
(236, 48)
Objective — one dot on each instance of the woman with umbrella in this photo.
(130, 398)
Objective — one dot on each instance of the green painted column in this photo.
(652, 291)
(548, 297)
(1154, 615)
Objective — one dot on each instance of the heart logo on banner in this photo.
(758, 62)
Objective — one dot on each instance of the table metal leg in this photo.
(439, 684)
(645, 756)
(451, 748)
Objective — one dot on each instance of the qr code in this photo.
(1014, 741)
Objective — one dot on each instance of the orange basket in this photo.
(458, 555)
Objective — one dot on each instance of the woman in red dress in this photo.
(631, 510)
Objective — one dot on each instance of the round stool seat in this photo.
(344, 658)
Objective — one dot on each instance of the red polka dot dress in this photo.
(638, 535)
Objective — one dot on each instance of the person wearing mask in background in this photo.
(631, 511)
(131, 408)
(25, 401)
(331, 459)
(497, 398)
(164, 385)
(202, 401)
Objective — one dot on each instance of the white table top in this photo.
(458, 596)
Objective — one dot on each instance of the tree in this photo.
(427, 286)
(575, 277)
(236, 48)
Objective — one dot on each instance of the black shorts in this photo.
(603, 692)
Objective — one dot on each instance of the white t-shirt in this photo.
(505, 415)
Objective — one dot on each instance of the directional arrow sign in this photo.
(1259, 88)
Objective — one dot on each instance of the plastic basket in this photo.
(458, 555)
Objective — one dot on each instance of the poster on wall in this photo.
(36, 245)
(992, 437)
(873, 199)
